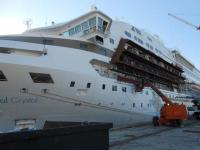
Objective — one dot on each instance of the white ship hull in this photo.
(62, 102)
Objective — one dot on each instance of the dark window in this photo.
(88, 85)
(149, 39)
(114, 88)
(112, 41)
(127, 34)
(138, 31)
(123, 89)
(141, 105)
(72, 84)
(140, 41)
(2, 76)
(103, 86)
(147, 44)
(151, 47)
(133, 105)
(41, 77)
(99, 39)
(133, 29)
(135, 37)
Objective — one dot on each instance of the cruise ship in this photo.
(89, 70)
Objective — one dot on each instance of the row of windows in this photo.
(138, 40)
(112, 41)
(149, 46)
(114, 87)
(82, 27)
(136, 30)
(141, 105)
(128, 34)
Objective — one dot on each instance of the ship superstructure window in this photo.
(102, 25)
(85, 25)
(112, 41)
(114, 88)
(123, 89)
(71, 32)
(127, 34)
(103, 86)
(41, 77)
(149, 39)
(138, 31)
(2, 76)
(147, 45)
(78, 28)
(138, 40)
(151, 47)
(133, 28)
(133, 105)
(88, 85)
(72, 84)
(99, 39)
(92, 22)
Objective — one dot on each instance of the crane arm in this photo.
(184, 21)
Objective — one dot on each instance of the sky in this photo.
(151, 15)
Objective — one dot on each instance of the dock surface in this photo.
(157, 138)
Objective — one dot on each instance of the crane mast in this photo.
(184, 21)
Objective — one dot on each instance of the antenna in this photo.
(28, 23)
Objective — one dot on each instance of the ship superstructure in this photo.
(87, 69)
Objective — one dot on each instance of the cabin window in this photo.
(103, 86)
(85, 26)
(78, 28)
(141, 105)
(99, 39)
(138, 31)
(147, 45)
(123, 89)
(72, 83)
(100, 24)
(88, 85)
(41, 77)
(5, 50)
(133, 105)
(149, 39)
(2, 76)
(92, 22)
(133, 29)
(112, 41)
(114, 88)
(140, 41)
(71, 32)
(127, 34)
(151, 47)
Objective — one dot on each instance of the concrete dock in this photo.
(157, 138)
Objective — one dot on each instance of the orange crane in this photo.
(170, 113)
(184, 21)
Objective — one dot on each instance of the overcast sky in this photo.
(151, 15)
